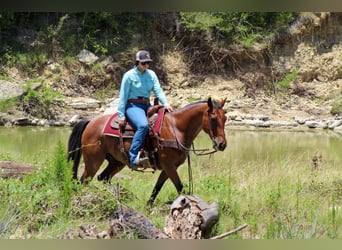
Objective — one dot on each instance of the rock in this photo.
(302, 121)
(334, 124)
(338, 129)
(10, 90)
(112, 107)
(315, 124)
(74, 119)
(22, 121)
(84, 103)
(87, 57)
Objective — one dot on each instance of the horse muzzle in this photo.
(219, 144)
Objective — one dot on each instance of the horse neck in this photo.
(188, 120)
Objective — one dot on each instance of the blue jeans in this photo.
(136, 115)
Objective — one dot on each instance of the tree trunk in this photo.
(191, 218)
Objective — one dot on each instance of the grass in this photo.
(284, 84)
(336, 106)
(279, 197)
(8, 104)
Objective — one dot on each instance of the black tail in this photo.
(74, 145)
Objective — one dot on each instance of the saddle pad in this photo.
(158, 123)
(108, 130)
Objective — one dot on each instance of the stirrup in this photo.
(141, 162)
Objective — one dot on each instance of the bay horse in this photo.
(177, 133)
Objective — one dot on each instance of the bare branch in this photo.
(229, 233)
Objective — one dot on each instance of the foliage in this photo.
(38, 102)
(49, 198)
(336, 106)
(6, 105)
(28, 62)
(104, 33)
(285, 83)
(236, 26)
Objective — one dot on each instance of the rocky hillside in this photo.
(250, 79)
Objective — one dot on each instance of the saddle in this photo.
(155, 116)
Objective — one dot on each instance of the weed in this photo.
(285, 83)
(336, 106)
(8, 104)
(38, 102)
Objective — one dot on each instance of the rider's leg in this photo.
(137, 116)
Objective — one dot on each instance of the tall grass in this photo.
(280, 197)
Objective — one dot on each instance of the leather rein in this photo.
(186, 148)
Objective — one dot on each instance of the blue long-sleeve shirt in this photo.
(135, 84)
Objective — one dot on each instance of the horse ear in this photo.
(210, 104)
(223, 102)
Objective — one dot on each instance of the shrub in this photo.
(38, 102)
(285, 83)
(336, 106)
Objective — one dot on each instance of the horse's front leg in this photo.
(169, 173)
(159, 184)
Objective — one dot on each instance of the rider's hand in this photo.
(122, 122)
(169, 108)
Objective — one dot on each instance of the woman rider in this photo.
(134, 100)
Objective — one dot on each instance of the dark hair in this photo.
(136, 63)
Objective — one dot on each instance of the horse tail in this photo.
(74, 145)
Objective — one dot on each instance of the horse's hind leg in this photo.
(112, 168)
(91, 166)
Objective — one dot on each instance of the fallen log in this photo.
(10, 169)
(191, 218)
(129, 221)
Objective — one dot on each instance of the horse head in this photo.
(214, 123)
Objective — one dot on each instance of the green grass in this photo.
(8, 104)
(336, 106)
(284, 84)
(281, 198)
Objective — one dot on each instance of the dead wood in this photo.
(229, 233)
(128, 221)
(190, 218)
(10, 169)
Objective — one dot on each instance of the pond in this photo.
(25, 144)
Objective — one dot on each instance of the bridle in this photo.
(212, 123)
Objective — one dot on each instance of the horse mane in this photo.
(217, 105)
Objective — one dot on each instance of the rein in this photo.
(84, 146)
(188, 149)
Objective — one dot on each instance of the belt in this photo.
(140, 100)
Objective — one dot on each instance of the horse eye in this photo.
(213, 121)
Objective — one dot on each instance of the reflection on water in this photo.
(275, 146)
(27, 143)
(24, 144)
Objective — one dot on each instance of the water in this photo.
(25, 144)
(250, 145)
